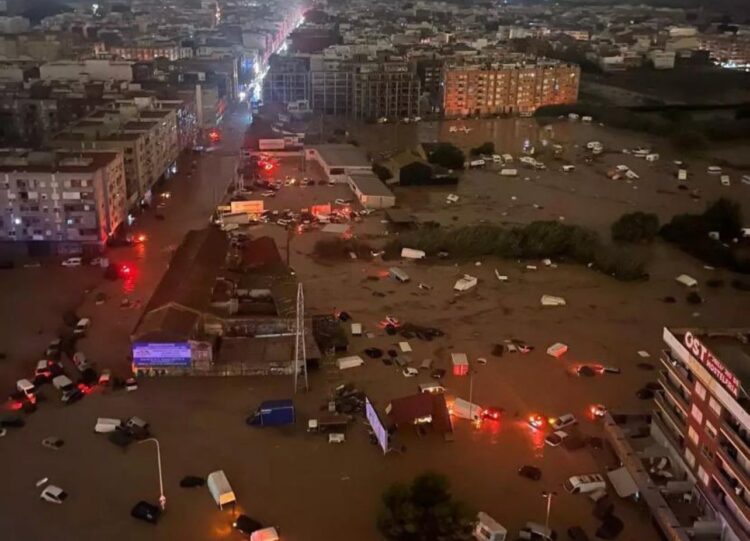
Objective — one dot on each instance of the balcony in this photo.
(677, 370)
(716, 498)
(676, 393)
(733, 491)
(738, 440)
(736, 471)
(670, 416)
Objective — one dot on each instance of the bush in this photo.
(536, 240)
(447, 155)
(690, 233)
(486, 148)
(636, 227)
(382, 172)
(424, 511)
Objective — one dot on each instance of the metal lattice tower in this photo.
(300, 353)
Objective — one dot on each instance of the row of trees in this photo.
(543, 239)
(693, 233)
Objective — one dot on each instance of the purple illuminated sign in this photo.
(162, 354)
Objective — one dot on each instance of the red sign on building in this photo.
(725, 376)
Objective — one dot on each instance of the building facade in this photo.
(61, 203)
(478, 90)
(704, 411)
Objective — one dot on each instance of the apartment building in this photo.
(147, 138)
(727, 49)
(704, 412)
(151, 51)
(61, 203)
(361, 88)
(489, 89)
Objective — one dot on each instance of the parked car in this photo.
(53, 494)
(146, 512)
(72, 262)
(136, 427)
(556, 438)
(493, 413)
(410, 372)
(246, 525)
(563, 421)
(53, 443)
(530, 472)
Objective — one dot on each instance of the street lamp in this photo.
(162, 497)
(548, 496)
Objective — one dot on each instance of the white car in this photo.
(564, 420)
(53, 494)
(72, 262)
(725, 181)
(556, 438)
(410, 372)
(713, 170)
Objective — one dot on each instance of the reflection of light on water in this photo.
(535, 436)
(221, 526)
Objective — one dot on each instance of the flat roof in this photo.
(342, 155)
(370, 185)
(90, 162)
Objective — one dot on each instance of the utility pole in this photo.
(162, 497)
(548, 496)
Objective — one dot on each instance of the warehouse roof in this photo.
(370, 185)
(342, 155)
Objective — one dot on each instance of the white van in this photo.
(534, 530)
(81, 327)
(105, 425)
(583, 484)
(26, 387)
(477, 163)
(432, 388)
(220, 489)
(398, 274)
(488, 529)
(466, 410)
(509, 172)
(72, 262)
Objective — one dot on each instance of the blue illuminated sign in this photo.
(162, 354)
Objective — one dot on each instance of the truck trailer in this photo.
(273, 413)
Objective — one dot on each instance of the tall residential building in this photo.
(704, 411)
(478, 89)
(364, 89)
(60, 202)
(147, 137)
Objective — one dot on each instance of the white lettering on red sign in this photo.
(712, 364)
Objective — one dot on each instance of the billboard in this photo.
(158, 355)
(381, 434)
(248, 207)
(271, 144)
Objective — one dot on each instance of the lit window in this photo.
(702, 475)
(696, 414)
(693, 435)
(700, 389)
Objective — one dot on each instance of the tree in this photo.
(424, 511)
(635, 227)
(485, 148)
(447, 155)
(415, 174)
(382, 172)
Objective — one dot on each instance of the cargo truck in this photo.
(273, 413)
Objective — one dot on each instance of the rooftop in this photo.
(369, 184)
(55, 162)
(342, 155)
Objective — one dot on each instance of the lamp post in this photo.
(548, 496)
(162, 497)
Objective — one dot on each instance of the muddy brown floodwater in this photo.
(316, 491)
